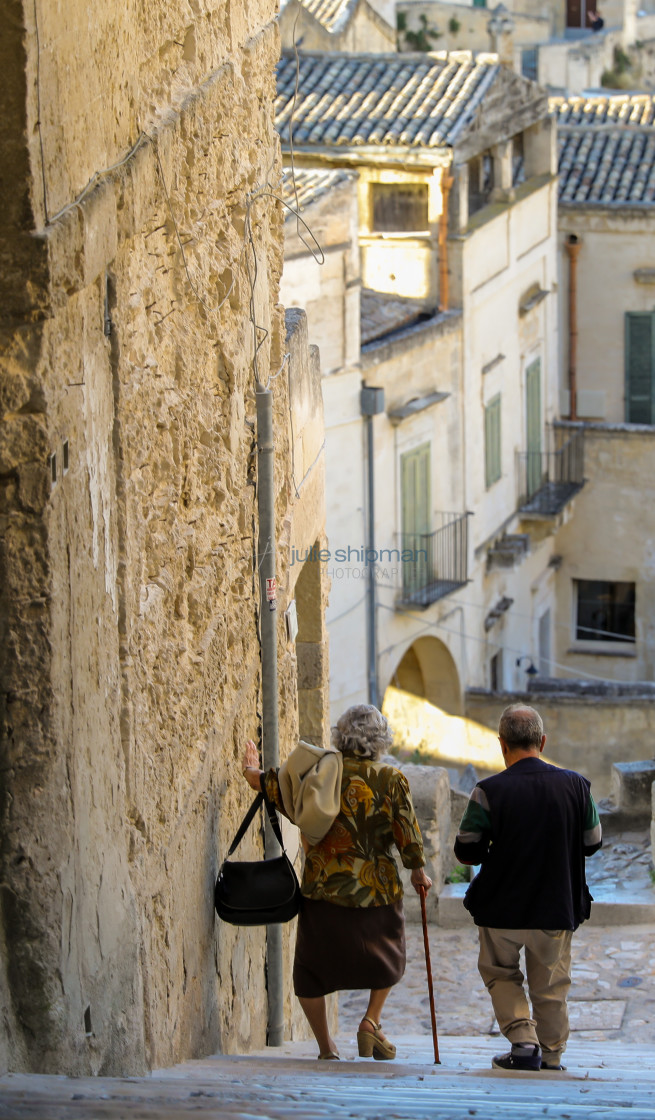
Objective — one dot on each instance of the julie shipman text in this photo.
(318, 555)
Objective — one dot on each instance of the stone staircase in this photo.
(602, 1082)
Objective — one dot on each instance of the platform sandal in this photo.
(374, 1044)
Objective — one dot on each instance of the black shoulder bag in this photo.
(259, 892)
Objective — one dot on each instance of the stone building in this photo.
(338, 25)
(552, 43)
(136, 149)
(606, 224)
(452, 162)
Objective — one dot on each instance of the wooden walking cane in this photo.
(428, 965)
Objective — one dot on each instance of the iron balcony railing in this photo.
(548, 480)
(434, 564)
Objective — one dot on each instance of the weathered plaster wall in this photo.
(130, 655)
(608, 539)
(614, 246)
(327, 284)
(588, 734)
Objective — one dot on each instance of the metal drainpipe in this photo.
(268, 626)
(573, 246)
(372, 403)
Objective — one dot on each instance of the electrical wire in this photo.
(482, 641)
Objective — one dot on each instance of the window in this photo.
(496, 672)
(481, 181)
(533, 425)
(605, 611)
(399, 207)
(544, 645)
(639, 367)
(492, 464)
(415, 514)
(518, 161)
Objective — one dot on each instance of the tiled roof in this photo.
(408, 100)
(333, 15)
(623, 109)
(383, 313)
(310, 185)
(606, 150)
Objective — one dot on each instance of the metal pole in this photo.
(268, 625)
(371, 598)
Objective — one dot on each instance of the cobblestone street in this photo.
(612, 996)
(613, 991)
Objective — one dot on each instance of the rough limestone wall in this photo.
(130, 657)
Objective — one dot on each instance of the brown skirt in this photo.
(343, 947)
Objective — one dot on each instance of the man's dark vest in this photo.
(533, 876)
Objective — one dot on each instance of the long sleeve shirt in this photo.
(353, 864)
(530, 827)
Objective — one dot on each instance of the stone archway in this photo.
(427, 669)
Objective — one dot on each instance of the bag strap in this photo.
(247, 821)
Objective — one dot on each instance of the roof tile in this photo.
(308, 185)
(415, 100)
(606, 149)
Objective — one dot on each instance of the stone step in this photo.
(610, 907)
(287, 1083)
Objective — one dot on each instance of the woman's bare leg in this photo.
(374, 1010)
(315, 1009)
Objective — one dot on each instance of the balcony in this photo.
(548, 480)
(434, 564)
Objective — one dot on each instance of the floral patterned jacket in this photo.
(352, 865)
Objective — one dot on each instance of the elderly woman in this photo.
(351, 931)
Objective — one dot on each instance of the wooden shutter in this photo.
(533, 424)
(492, 460)
(415, 515)
(639, 367)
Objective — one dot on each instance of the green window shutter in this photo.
(639, 367)
(415, 490)
(492, 462)
(416, 516)
(533, 424)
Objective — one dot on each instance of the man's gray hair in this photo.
(521, 727)
(362, 731)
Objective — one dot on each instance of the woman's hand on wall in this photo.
(420, 879)
(250, 766)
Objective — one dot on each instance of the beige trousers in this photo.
(548, 968)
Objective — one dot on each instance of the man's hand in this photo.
(420, 879)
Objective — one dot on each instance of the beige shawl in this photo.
(310, 785)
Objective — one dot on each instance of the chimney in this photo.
(501, 34)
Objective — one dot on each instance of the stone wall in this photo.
(586, 732)
(130, 664)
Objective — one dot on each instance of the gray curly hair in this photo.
(362, 731)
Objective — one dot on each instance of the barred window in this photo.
(605, 611)
(399, 207)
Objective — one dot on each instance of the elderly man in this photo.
(530, 827)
